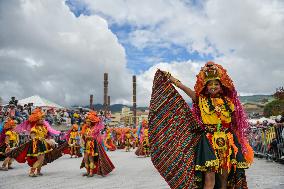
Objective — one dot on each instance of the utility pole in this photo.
(105, 93)
(108, 104)
(134, 101)
(91, 102)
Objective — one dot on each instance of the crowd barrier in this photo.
(268, 141)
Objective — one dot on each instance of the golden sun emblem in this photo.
(218, 108)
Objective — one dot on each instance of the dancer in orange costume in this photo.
(73, 142)
(10, 142)
(95, 159)
(40, 149)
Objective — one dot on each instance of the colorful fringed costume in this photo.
(73, 139)
(9, 141)
(119, 139)
(145, 143)
(128, 140)
(39, 150)
(144, 146)
(108, 141)
(95, 159)
(187, 143)
(135, 141)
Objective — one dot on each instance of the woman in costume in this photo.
(108, 141)
(40, 149)
(207, 146)
(128, 140)
(145, 143)
(144, 146)
(134, 138)
(119, 139)
(95, 159)
(11, 140)
(73, 141)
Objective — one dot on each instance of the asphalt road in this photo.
(131, 173)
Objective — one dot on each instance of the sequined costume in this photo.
(128, 140)
(40, 149)
(185, 143)
(73, 142)
(95, 159)
(108, 141)
(10, 141)
(144, 146)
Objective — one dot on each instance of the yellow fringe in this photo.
(34, 155)
(200, 168)
(242, 165)
(208, 164)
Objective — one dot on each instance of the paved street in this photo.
(131, 173)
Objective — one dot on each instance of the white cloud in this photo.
(46, 50)
(247, 34)
(184, 71)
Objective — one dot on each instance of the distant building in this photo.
(115, 120)
(142, 116)
(125, 117)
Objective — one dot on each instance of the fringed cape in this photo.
(173, 134)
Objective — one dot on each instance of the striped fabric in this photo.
(104, 164)
(20, 153)
(173, 134)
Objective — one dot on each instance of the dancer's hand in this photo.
(177, 83)
(173, 80)
(170, 77)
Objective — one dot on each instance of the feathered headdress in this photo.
(93, 117)
(36, 115)
(75, 127)
(9, 124)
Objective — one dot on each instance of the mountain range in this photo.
(244, 99)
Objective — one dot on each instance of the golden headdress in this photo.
(212, 71)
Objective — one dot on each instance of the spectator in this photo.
(13, 101)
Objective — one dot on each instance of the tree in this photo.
(276, 107)
(279, 94)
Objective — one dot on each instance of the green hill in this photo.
(115, 107)
(256, 98)
(244, 99)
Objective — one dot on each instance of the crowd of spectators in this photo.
(54, 116)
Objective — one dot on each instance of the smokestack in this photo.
(134, 101)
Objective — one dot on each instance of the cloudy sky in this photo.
(60, 49)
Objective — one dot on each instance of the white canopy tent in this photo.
(39, 102)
